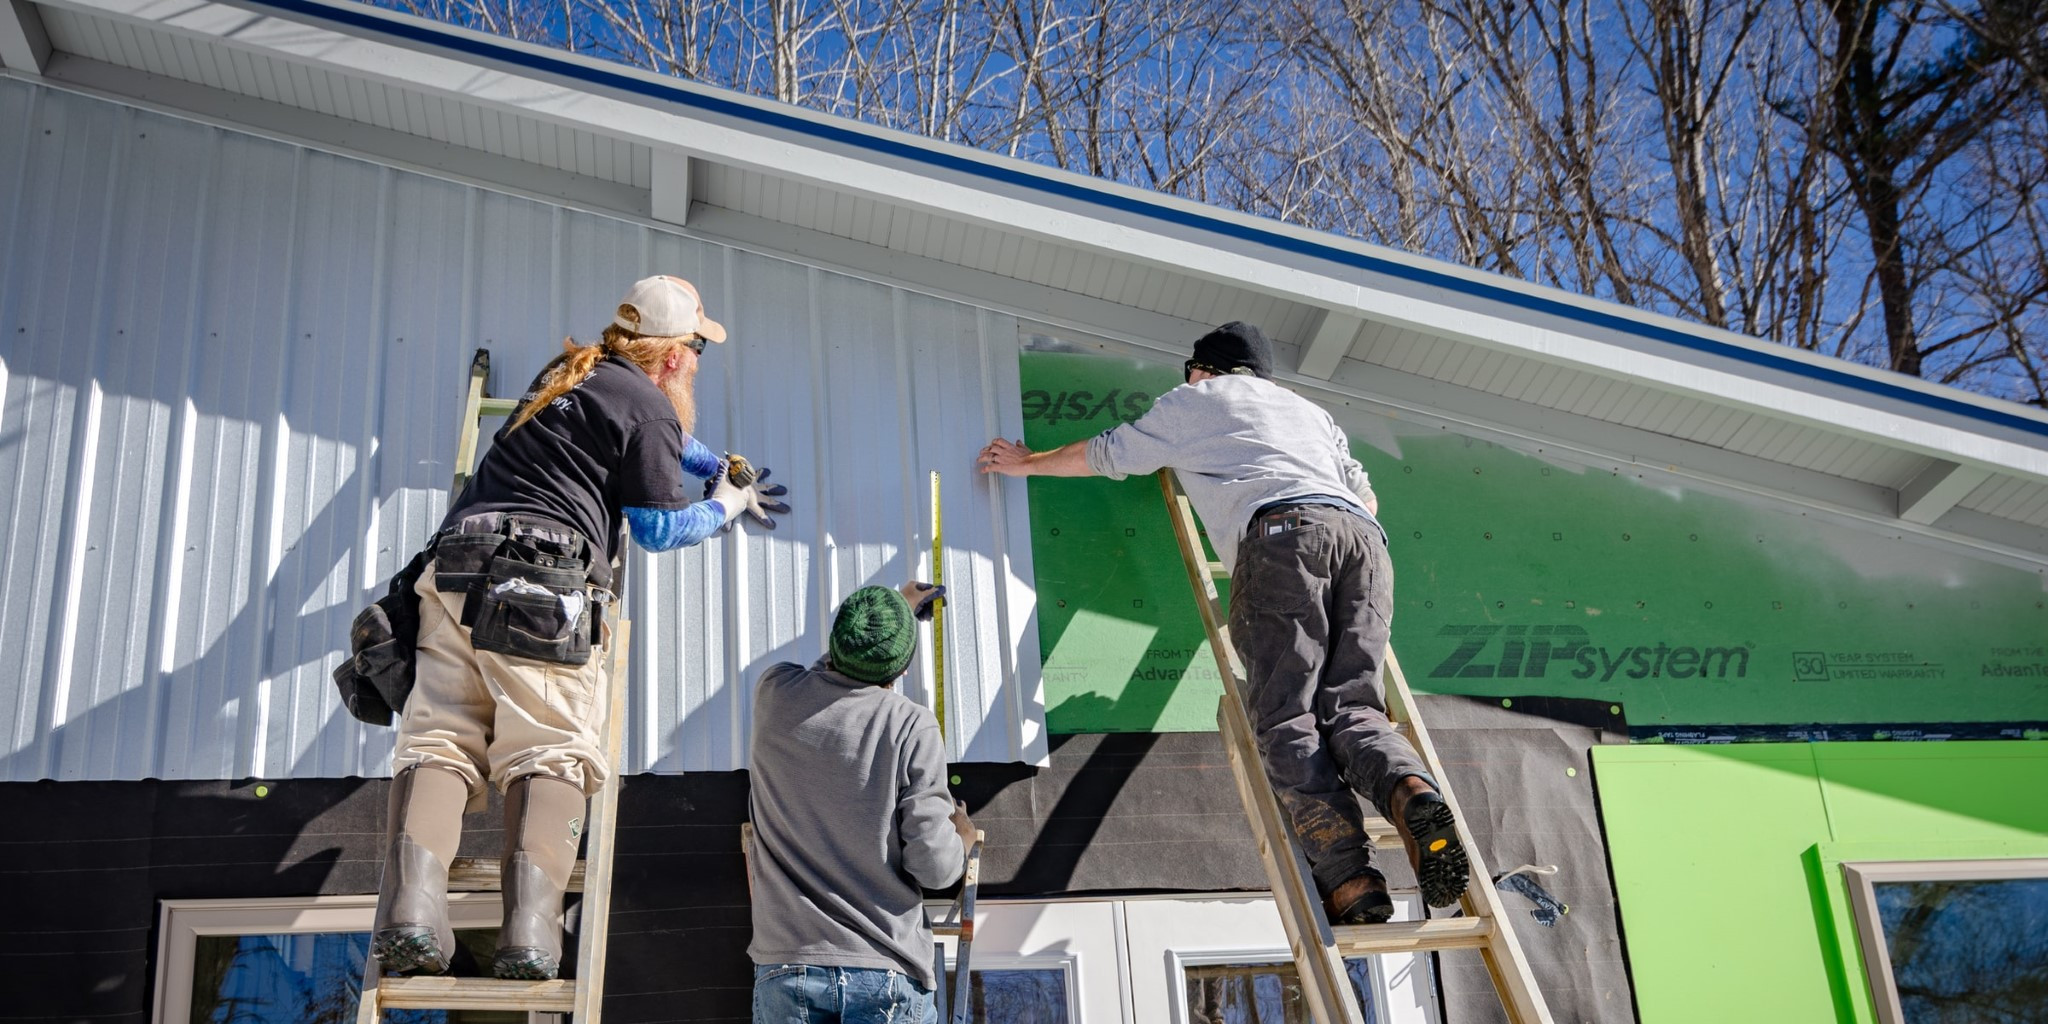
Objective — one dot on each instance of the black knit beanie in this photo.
(873, 635)
(1232, 346)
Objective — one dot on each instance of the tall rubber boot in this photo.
(411, 933)
(543, 824)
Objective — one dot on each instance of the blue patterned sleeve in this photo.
(665, 529)
(698, 459)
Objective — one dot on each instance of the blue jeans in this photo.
(801, 994)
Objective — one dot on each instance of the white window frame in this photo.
(1068, 965)
(1009, 925)
(181, 923)
(1178, 961)
(1864, 876)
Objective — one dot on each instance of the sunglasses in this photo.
(696, 344)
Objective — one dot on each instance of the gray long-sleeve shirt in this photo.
(1238, 443)
(851, 814)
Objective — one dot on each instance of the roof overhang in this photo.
(1142, 269)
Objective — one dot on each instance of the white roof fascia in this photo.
(1422, 400)
(1011, 195)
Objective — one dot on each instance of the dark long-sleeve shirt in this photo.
(851, 815)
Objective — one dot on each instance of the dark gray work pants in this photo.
(1311, 597)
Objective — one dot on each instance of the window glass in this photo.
(1968, 951)
(1026, 996)
(307, 979)
(1264, 993)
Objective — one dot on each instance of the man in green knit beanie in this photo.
(851, 816)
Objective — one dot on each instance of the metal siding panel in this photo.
(776, 368)
(259, 431)
(51, 399)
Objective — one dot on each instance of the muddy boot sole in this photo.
(1441, 867)
(525, 963)
(409, 949)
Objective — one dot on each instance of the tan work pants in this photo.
(485, 715)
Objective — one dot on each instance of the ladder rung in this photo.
(1381, 831)
(557, 996)
(497, 406)
(1413, 936)
(481, 874)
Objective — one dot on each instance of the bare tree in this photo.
(1857, 177)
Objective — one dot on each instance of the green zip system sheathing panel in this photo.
(1727, 860)
(1704, 613)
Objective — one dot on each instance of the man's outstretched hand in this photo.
(1009, 458)
(923, 598)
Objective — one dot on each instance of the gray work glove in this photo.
(761, 500)
(729, 496)
(923, 598)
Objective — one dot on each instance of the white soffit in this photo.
(309, 86)
(1303, 267)
(1112, 249)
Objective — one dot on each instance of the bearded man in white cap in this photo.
(508, 673)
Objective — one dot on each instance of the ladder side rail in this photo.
(1325, 985)
(1503, 954)
(369, 998)
(970, 883)
(601, 828)
(472, 405)
(1196, 561)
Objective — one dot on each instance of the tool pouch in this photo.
(377, 676)
(539, 611)
(526, 586)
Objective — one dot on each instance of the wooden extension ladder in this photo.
(582, 996)
(1319, 949)
(953, 1001)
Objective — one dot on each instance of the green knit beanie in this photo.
(873, 636)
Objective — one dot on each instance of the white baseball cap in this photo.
(666, 307)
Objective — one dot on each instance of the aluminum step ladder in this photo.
(1318, 948)
(581, 997)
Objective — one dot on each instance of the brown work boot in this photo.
(410, 933)
(543, 823)
(1430, 832)
(1362, 899)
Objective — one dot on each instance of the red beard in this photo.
(681, 389)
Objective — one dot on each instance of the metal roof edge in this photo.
(1171, 211)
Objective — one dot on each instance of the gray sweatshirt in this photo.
(851, 814)
(1239, 443)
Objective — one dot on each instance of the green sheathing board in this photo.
(1519, 571)
(1727, 860)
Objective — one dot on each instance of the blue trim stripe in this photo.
(1025, 178)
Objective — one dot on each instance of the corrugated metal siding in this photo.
(228, 395)
(440, 118)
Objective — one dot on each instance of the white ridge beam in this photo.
(1321, 356)
(24, 46)
(1936, 489)
(671, 192)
